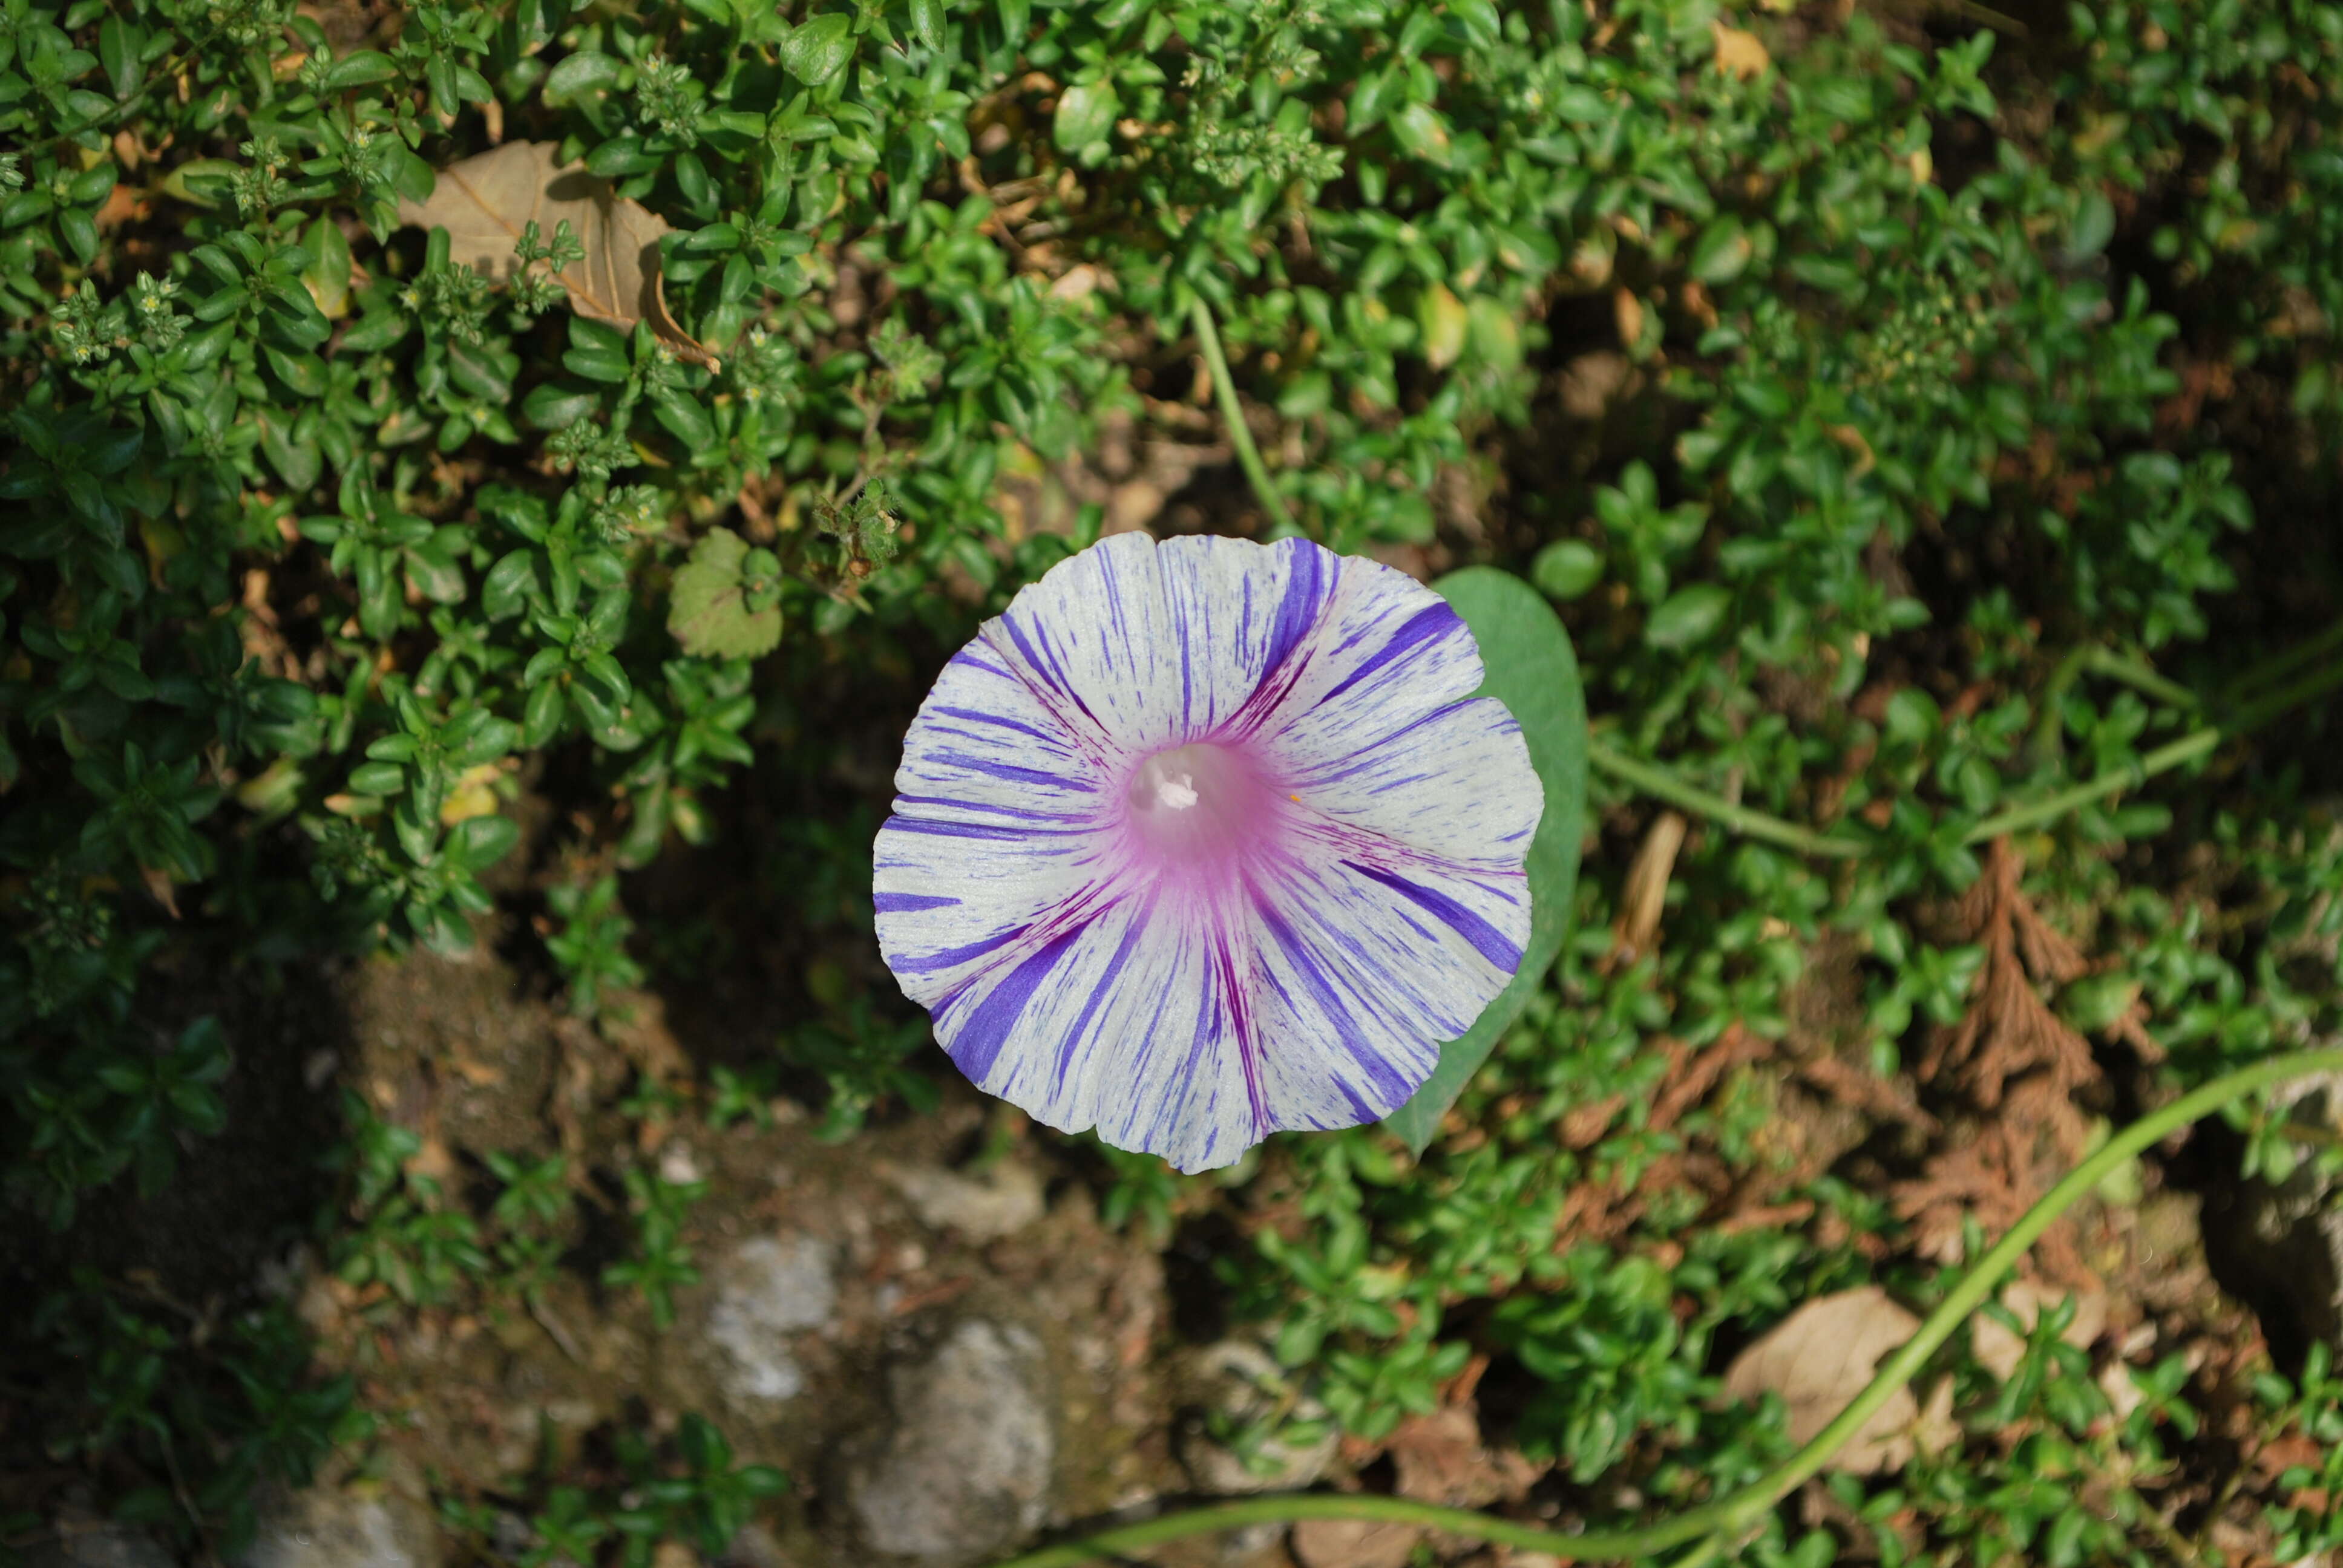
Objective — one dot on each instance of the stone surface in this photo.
(1240, 1382)
(371, 1526)
(2282, 1241)
(92, 1544)
(966, 1466)
(769, 1290)
(753, 1547)
(1002, 1201)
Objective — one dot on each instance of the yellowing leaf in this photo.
(484, 202)
(1819, 1358)
(1627, 311)
(474, 795)
(1739, 54)
(1441, 319)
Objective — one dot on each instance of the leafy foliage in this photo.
(1877, 404)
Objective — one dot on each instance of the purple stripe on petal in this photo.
(974, 717)
(928, 963)
(903, 800)
(1011, 772)
(1105, 989)
(1486, 938)
(975, 829)
(1387, 1078)
(1430, 621)
(909, 903)
(1173, 1105)
(1297, 612)
(978, 1043)
(1033, 655)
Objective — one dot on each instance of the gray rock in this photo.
(965, 1469)
(753, 1547)
(327, 1527)
(769, 1290)
(1239, 1382)
(2282, 1241)
(1001, 1202)
(98, 1545)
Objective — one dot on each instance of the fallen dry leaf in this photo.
(158, 886)
(1628, 312)
(484, 202)
(1740, 54)
(1440, 1458)
(1354, 1543)
(1645, 894)
(1999, 1350)
(1819, 1358)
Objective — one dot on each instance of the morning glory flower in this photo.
(1207, 839)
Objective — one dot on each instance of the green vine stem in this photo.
(2050, 807)
(1662, 785)
(1729, 1520)
(1224, 393)
(2138, 675)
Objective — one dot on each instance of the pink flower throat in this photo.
(1200, 808)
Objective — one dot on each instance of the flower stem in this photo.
(1663, 785)
(1729, 1519)
(1224, 392)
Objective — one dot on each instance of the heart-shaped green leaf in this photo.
(1531, 670)
(722, 605)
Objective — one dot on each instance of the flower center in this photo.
(1199, 805)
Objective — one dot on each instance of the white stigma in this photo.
(1180, 778)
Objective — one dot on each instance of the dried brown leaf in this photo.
(484, 203)
(1440, 1458)
(1740, 54)
(1645, 894)
(1628, 312)
(1819, 1358)
(1354, 1543)
(1689, 1081)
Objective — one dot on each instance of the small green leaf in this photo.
(1085, 114)
(118, 47)
(361, 69)
(1495, 337)
(928, 22)
(1688, 616)
(2094, 225)
(1529, 669)
(79, 231)
(1566, 568)
(709, 610)
(816, 50)
(1722, 252)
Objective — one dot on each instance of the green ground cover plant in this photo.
(1926, 422)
